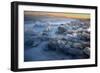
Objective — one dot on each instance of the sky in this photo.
(58, 14)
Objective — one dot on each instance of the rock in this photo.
(36, 43)
(44, 38)
(61, 30)
(86, 44)
(52, 44)
(45, 33)
(56, 44)
(65, 47)
(70, 43)
(70, 31)
(83, 35)
(87, 51)
(72, 51)
(28, 42)
(77, 45)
